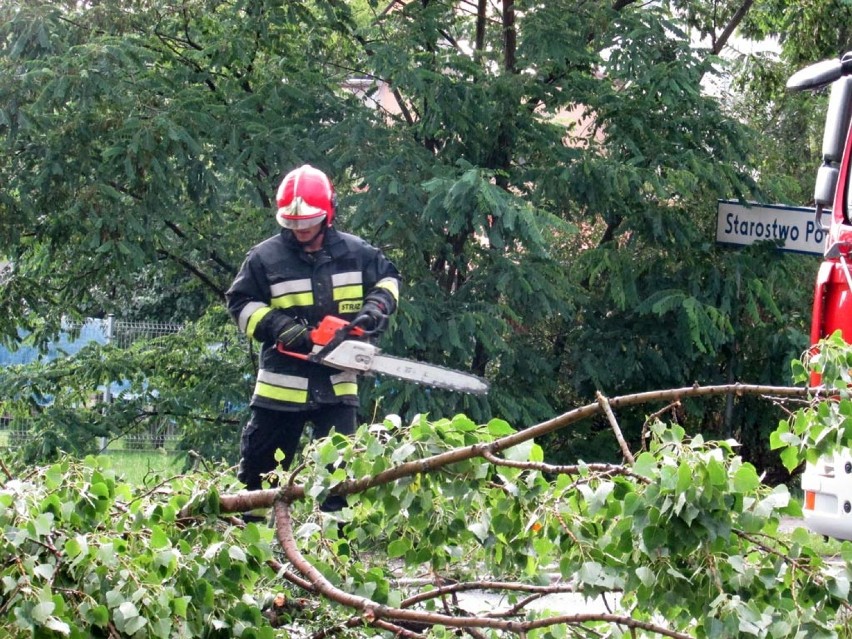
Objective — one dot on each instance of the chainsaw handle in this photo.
(359, 323)
(331, 328)
(328, 334)
(280, 348)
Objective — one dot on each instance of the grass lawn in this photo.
(136, 466)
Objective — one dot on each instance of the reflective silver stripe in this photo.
(342, 279)
(344, 376)
(245, 314)
(285, 381)
(290, 286)
(292, 293)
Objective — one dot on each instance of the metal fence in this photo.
(153, 434)
(123, 333)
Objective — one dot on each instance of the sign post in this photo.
(794, 228)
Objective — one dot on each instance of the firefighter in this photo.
(285, 286)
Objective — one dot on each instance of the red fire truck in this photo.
(827, 484)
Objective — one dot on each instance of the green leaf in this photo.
(45, 571)
(790, 458)
(645, 465)
(716, 473)
(180, 605)
(402, 452)
(839, 586)
(398, 547)
(135, 624)
(537, 454)
(42, 611)
(42, 525)
(235, 553)
(463, 423)
(159, 539)
(746, 479)
(499, 428)
(595, 574)
(646, 576)
(97, 615)
(327, 453)
(521, 452)
(161, 627)
(480, 530)
(685, 477)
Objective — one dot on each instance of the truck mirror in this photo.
(815, 76)
(837, 120)
(826, 184)
(820, 74)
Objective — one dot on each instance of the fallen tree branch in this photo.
(468, 586)
(613, 422)
(372, 611)
(264, 498)
(564, 469)
(290, 576)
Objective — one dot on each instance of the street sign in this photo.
(794, 227)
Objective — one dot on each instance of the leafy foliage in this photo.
(545, 178)
(534, 190)
(824, 425)
(473, 506)
(139, 139)
(184, 380)
(629, 179)
(87, 555)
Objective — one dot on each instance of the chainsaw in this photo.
(342, 345)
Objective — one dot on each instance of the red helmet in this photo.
(305, 198)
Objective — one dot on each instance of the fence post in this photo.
(107, 397)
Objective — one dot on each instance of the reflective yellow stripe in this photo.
(281, 394)
(356, 291)
(391, 285)
(294, 299)
(254, 318)
(344, 383)
(292, 293)
(284, 388)
(345, 388)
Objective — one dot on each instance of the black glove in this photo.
(296, 338)
(372, 317)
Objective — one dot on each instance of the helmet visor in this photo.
(298, 215)
(299, 222)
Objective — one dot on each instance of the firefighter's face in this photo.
(310, 238)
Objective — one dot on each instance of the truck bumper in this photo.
(827, 496)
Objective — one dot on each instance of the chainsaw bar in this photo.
(429, 375)
(354, 355)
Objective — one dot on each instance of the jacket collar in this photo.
(332, 242)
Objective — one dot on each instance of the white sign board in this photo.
(795, 228)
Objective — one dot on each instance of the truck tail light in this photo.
(810, 499)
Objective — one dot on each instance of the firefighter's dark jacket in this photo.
(279, 283)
